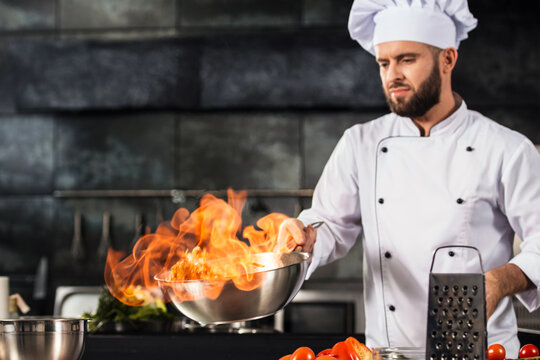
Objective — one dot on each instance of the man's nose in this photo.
(393, 73)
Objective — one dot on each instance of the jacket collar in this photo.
(447, 126)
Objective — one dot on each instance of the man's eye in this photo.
(383, 65)
(408, 60)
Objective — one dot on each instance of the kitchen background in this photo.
(126, 106)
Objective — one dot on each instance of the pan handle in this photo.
(456, 246)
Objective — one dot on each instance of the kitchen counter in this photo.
(203, 346)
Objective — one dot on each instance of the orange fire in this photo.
(202, 245)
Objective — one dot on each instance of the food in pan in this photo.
(193, 265)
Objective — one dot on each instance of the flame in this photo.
(202, 245)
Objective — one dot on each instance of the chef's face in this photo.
(410, 76)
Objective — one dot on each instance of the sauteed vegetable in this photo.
(111, 310)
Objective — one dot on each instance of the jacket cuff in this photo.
(528, 263)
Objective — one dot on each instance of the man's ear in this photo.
(448, 58)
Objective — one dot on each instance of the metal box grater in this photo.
(456, 321)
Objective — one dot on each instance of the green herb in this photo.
(111, 309)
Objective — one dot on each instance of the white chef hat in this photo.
(441, 23)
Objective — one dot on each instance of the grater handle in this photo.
(456, 246)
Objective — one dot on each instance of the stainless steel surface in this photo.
(279, 284)
(139, 229)
(317, 224)
(456, 314)
(42, 338)
(105, 242)
(399, 353)
(83, 298)
(77, 248)
(40, 284)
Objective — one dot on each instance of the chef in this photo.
(430, 173)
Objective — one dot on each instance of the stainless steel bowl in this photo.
(280, 278)
(42, 338)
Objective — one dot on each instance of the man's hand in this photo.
(504, 281)
(294, 236)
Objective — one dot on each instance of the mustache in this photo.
(398, 84)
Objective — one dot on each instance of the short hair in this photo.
(435, 51)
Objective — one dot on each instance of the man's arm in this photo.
(504, 281)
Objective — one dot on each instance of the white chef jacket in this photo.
(471, 182)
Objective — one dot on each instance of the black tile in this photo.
(321, 133)
(27, 15)
(315, 70)
(244, 72)
(332, 71)
(522, 120)
(259, 207)
(481, 8)
(497, 65)
(115, 152)
(326, 13)
(107, 14)
(84, 74)
(238, 13)
(239, 150)
(26, 154)
(26, 232)
(7, 80)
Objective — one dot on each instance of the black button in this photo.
(460, 201)
(451, 253)
(392, 308)
(469, 148)
(387, 255)
(381, 201)
(384, 149)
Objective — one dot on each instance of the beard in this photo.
(425, 98)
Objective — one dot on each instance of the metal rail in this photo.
(177, 195)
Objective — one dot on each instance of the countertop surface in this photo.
(220, 346)
(204, 346)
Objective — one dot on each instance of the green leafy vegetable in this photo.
(112, 310)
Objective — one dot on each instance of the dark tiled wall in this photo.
(205, 94)
(27, 15)
(27, 155)
(133, 151)
(104, 14)
(238, 13)
(102, 74)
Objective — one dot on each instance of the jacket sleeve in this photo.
(336, 202)
(521, 195)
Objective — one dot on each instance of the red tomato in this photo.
(496, 352)
(286, 357)
(337, 348)
(528, 351)
(303, 353)
(324, 352)
(361, 350)
(344, 351)
(326, 357)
